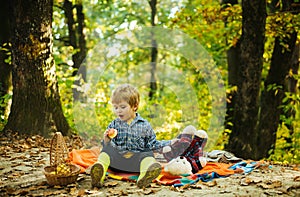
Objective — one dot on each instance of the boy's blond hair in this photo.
(127, 93)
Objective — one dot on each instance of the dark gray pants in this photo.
(120, 162)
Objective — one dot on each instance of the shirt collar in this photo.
(136, 119)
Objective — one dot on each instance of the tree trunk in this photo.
(291, 87)
(271, 98)
(154, 52)
(291, 82)
(242, 140)
(275, 86)
(232, 62)
(36, 107)
(77, 41)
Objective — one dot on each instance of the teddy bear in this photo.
(178, 166)
(188, 145)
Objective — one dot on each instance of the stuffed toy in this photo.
(189, 145)
(178, 166)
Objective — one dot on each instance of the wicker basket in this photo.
(56, 179)
(59, 156)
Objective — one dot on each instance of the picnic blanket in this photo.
(87, 157)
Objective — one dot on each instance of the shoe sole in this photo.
(96, 174)
(152, 173)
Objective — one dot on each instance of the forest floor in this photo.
(22, 161)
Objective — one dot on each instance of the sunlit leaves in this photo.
(282, 25)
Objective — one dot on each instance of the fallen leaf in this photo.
(81, 192)
(295, 168)
(246, 181)
(73, 191)
(93, 192)
(155, 185)
(111, 184)
(297, 178)
(148, 191)
(210, 183)
(176, 189)
(117, 192)
(196, 186)
(185, 186)
(270, 184)
(27, 145)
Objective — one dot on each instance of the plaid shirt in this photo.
(138, 136)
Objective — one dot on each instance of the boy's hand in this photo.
(106, 139)
(109, 134)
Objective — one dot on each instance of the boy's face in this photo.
(124, 111)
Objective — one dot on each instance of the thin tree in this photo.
(154, 52)
(76, 39)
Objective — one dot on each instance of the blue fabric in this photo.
(246, 167)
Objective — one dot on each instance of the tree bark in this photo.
(154, 53)
(282, 63)
(291, 87)
(77, 41)
(36, 106)
(271, 98)
(242, 140)
(232, 62)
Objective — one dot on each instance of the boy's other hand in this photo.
(106, 139)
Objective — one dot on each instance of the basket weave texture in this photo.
(58, 158)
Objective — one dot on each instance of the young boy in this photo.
(132, 149)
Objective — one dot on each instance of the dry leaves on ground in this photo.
(23, 158)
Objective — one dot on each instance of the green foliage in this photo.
(65, 82)
(287, 144)
(4, 103)
(282, 25)
(5, 100)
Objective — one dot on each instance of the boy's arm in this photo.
(154, 144)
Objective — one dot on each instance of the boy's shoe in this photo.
(97, 174)
(147, 177)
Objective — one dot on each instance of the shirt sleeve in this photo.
(154, 144)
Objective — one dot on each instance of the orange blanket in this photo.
(84, 158)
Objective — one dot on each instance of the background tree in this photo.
(275, 85)
(76, 39)
(233, 63)
(154, 52)
(36, 107)
(242, 140)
